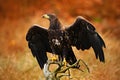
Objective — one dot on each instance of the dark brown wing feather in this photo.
(37, 38)
(82, 34)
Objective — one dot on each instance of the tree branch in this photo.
(61, 69)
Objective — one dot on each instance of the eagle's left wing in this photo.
(82, 35)
(38, 42)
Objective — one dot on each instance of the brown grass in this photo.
(20, 65)
(25, 67)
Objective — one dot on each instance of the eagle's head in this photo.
(54, 22)
(49, 16)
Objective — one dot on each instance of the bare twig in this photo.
(61, 69)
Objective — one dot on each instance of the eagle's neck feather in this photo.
(55, 24)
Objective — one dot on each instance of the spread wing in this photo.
(82, 34)
(37, 38)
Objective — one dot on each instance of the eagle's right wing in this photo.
(82, 35)
(38, 42)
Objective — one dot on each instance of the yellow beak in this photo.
(46, 16)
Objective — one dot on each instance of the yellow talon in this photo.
(54, 58)
(64, 62)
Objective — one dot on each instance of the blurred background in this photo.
(17, 16)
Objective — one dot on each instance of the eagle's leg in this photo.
(54, 56)
(64, 56)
